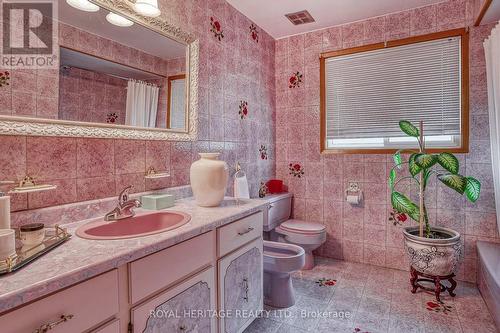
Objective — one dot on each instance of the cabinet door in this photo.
(186, 308)
(240, 287)
(112, 327)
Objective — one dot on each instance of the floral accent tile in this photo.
(243, 112)
(111, 118)
(324, 282)
(263, 152)
(439, 307)
(359, 330)
(398, 218)
(296, 170)
(4, 79)
(216, 29)
(254, 33)
(295, 80)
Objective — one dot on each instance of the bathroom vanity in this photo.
(205, 276)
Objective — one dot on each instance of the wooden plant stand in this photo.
(417, 277)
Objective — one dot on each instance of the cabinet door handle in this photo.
(49, 326)
(245, 285)
(241, 233)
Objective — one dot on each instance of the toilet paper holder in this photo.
(354, 194)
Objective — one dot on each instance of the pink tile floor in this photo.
(377, 299)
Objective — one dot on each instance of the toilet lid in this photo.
(303, 227)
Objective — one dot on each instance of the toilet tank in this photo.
(280, 208)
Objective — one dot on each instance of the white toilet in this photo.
(308, 235)
(280, 259)
(290, 249)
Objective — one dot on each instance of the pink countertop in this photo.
(79, 259)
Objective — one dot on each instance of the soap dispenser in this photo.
(4, 211)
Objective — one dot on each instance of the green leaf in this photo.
(473, 189)
(449, 162)
(392, 177)
(415, 215)
(425, 161)
(455, 182)
(408, 128)
(427, 174)
(414, 168)
(397, 159)
(404, 205)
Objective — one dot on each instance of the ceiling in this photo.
(493, 13)
(269, 15)
(136, 36)
(76, 59)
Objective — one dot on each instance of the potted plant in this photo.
(432, 250)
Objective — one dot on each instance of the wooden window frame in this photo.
(463, 33)
(482, 12)
(169, 92)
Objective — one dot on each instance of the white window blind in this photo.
(368, 93)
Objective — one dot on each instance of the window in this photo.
(365, 91)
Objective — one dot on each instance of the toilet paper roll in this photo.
(353, 199)
(5, 212)
(7, 243)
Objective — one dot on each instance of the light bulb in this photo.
(147, 8)
(118, 20)
(84, 5)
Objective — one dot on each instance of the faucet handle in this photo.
(123, 196)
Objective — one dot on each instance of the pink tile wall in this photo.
(232, 70)
(90, 96)
(30, 93)
(364, 234)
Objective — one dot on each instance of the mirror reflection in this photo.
(116, 72)
(176, 117)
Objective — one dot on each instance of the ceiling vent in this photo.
(301, 17)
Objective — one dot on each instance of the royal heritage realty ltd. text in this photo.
(175, 314)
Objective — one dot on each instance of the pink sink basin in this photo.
(137, 226)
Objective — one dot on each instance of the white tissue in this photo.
(5, 212)
(241, 188)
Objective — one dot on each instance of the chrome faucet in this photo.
(125, 207)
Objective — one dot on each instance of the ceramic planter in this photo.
(209, 180)
(438, 257)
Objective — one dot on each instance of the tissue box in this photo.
(157, 201)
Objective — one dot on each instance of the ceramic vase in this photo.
(437, 257)
(209, 178)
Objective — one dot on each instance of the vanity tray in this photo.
(24, 255)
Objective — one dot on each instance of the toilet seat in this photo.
(303, 227)
(302, 233)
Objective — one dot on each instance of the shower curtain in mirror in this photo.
(142, 104)
(492, 52)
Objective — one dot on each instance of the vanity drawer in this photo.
(159, 270)
(234, 235)
(90, 302)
